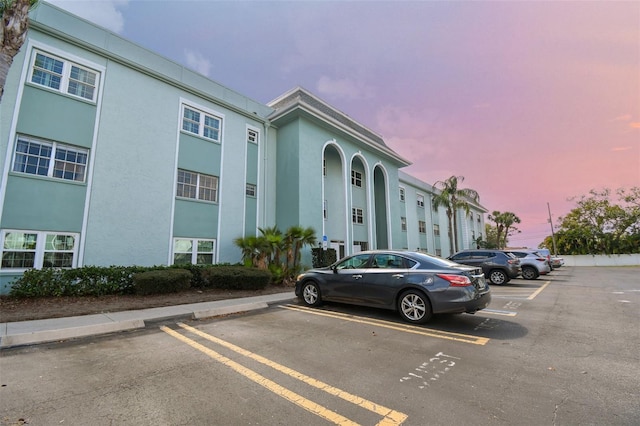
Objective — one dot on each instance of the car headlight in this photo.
(299, 277)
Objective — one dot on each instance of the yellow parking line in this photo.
(465, 338)
(390, 417)
(263, 381)
(538, 291)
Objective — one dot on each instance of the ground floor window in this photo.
(38, 249)
(194, 251)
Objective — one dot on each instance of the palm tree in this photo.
(504, 225)
(452, 199)
(296, 238)
(275, 239)
(13, 32)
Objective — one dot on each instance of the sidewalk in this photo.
(51, 330)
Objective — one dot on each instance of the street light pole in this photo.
(553, 235)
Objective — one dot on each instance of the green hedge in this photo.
(161, 281)
(321, 258)
(119, 280)
(235, 278)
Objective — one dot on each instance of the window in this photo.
(193, 251)
(324, 167)
(420, 199)
(422, 227)
(325, 213)
(64, 76)
(478, 217)
(403, 223)
(357, 215)
(252, 136)
(436, 229)
(438, 252)
(356, 178)
(34, 249)
(402, 194)
(201, 124)
(35, 157)
(197, 186)
(250, 191)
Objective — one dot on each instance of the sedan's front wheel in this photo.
(414, 307)
(311, 294)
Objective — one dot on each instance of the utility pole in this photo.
(553, 235)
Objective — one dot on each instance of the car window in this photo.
(460, 256)
(519, 254)
(482, 255)
(387, 261)
(511, 255)
(358, 261)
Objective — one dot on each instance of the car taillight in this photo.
(456, 280)
(541, 259)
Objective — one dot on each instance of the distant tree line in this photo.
(598, 225)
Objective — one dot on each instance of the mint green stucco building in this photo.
(114, 155)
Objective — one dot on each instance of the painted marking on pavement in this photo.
(538, 291)
(465, 338)
(498, 312)
(390, 417)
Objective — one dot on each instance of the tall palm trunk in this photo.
(13, 32)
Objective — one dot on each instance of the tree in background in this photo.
(491, 238)
(452, 199)
(598, 226)
(13, 32)
(504, 226)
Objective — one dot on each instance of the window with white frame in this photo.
(64, 76)
(38, 249)
(325, 213)
(420, 200)
(357, 215)
(356, 178)
(422, 227)
(402, 194)
(403, 223)
(194, 251)
(436, 229)
(51, 159)
(252, 136)
(200, 123)
(197, 186)
(324, 167)
(250, 190)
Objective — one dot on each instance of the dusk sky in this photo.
(532, 102)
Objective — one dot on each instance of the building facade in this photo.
(114, 155)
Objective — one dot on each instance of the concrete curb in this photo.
(56, 329)
(68, 333)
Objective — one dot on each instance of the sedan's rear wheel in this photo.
(498, 277)
(414, 307)
(311, 294)
(529, 273)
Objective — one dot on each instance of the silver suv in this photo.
(499, 267)
(533, 263)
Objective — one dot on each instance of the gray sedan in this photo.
(414, 284)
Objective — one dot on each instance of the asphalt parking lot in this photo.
(560, 350)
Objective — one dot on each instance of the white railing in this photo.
(602, 260)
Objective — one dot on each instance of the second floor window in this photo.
(252, 136)
(197, 186)
(436, 230)
(51, 159)
(422, 227)
(420, 200)
(357, 215)
(402, 194)
(356, 178)
(403, 223)
(202, 124)
(250, 190)
(64, 76)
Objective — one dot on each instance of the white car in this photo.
(533, 263)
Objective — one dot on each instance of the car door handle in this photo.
(397, 276)
(357, 277)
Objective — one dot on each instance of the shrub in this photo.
(85, 281)
(321, 258)
(161, 281)
(235, 277)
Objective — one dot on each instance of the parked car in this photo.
(533, 264)
(546, 253)
(556, 261)
(498, 266)
(416, 285)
